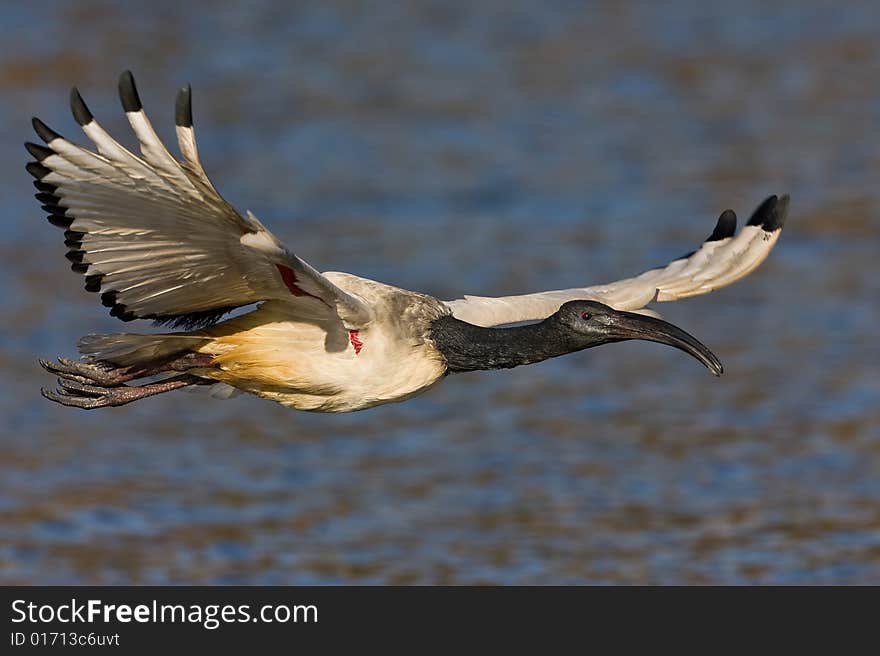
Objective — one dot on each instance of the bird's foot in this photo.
(73, 392)
(87, 372)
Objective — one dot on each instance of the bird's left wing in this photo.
(723, 258)
(156, 239)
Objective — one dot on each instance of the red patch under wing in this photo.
(290, 280)
(355, 341)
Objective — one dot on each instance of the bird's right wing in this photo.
(156, 239)
(723, 258)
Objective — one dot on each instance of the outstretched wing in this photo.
(723, 258)
(155, 239)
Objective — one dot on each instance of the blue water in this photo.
(489, 148)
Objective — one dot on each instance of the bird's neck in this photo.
(467, 347)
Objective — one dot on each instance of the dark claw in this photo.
(76, 378)
(67, 362)
(83, 372)
(52, 395)
(69, 385)
(84, 402)
(53, 368)
(90, 385)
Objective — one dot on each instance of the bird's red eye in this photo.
(585, 316)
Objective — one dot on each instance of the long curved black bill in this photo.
(629, 325)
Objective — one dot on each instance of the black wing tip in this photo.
(37, 170)
(93, 282)
(192, 320)
(73, 239)
(771, 214)
(183, 116)
(78, 106)
(43, 131)
(109, 299)
(780, 215)
(45, 187)
(189, 321)
(128, 94)
(38, 152)
(57, 215)
(47, 198)
(75, 256)
(725, 227)
(60, 221)
(763, 211)
(121, 312)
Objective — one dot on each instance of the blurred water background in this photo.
(485, 147)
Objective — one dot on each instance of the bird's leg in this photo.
(97, 384)
(106, 375)
(77, 394)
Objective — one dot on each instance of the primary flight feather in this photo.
(155, 239)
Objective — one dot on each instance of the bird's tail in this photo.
(133, 350)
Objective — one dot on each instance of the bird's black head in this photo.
(590, 323)
(575, 326)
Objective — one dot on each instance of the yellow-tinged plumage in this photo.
(312, 364)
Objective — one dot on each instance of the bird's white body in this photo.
(153, 236)
(309, 362)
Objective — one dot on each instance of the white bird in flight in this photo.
(155, 239)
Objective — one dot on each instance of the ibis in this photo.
(154, 239)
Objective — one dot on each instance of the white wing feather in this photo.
(723, 259)
(153, 235)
